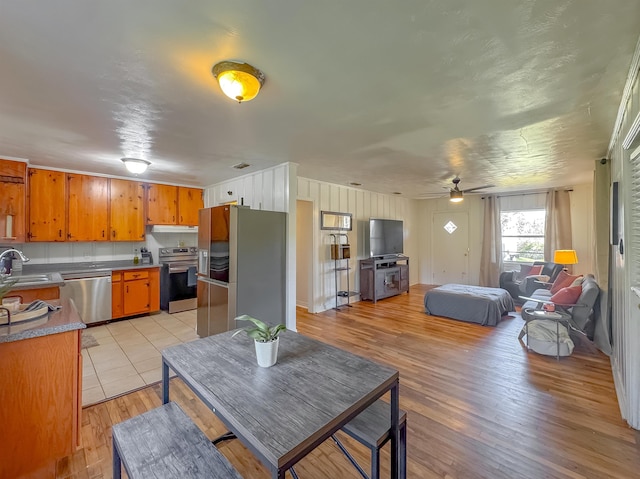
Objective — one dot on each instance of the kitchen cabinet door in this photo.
(136, 296)
(162, 204)
(117, 310)
(127, 210)
(190, 201)
(88, 198)
(41, 393)
(154, 290)
(47, 199)
(12, 201)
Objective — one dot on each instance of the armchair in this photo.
(518, 285)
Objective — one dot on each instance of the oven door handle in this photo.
(180, 269)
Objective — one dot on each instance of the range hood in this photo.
(173, 229)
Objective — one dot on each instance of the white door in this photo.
(450, 248)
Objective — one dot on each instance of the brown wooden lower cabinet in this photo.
(135, 291)
(28, 295)
(40, 403)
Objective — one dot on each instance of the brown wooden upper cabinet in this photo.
(173, 205)
(88, 208)
(47, 201)
(12, 201)
(162, 204)
(127, 210)
(190, 201)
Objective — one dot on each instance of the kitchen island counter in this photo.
(40, 393)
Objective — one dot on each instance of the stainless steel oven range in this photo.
(178, 279)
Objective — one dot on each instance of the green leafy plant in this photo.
(261, 331)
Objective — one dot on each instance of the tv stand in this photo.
(382, 277)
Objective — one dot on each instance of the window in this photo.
(522, 235)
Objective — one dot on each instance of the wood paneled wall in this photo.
(363, 205)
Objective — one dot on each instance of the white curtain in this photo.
(491, 257)
(557, 234)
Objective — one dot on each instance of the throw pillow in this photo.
(578, 281)
(568, 295)
(535, 270)
(563, 279)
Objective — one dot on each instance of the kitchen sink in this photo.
(34, 278)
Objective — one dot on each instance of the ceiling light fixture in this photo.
(239, 81)
(135, 165)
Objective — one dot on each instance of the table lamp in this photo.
(565, 257)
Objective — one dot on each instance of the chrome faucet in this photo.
(7, 253)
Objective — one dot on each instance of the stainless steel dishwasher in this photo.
(91, 293)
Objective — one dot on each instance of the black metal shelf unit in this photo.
(341, 252)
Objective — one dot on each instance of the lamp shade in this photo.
(239, 81)
(565, 256)
(135, 165)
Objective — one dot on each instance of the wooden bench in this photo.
(371, 428)
(164, 442)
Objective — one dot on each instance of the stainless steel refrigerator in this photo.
(241, 267)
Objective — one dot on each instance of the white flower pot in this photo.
(267, 353)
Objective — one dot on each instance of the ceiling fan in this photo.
(456, 194)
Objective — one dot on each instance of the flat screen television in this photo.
(385, 237)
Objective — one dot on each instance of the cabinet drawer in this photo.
(133, 275)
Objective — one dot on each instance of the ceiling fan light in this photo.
(238, 81)
(135, 165)
(455, 196)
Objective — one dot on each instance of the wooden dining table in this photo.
(283, 412)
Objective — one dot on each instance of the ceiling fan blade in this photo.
(468, 190)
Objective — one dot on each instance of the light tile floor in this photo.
(128, 353)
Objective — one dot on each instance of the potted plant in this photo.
(265, 337)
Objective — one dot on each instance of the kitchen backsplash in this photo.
(68, 252)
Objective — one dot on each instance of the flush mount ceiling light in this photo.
(239, 81)
(135, 165)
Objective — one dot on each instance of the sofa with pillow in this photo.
(575, 295)
(529, 278)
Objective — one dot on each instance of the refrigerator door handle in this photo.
(203, 262)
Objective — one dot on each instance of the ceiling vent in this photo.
(241, 166)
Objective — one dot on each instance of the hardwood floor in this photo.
(479, 405)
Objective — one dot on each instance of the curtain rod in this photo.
(527, 194)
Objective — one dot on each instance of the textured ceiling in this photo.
(398, 96)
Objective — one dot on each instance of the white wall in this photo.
(363, 205)
(263, 190)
